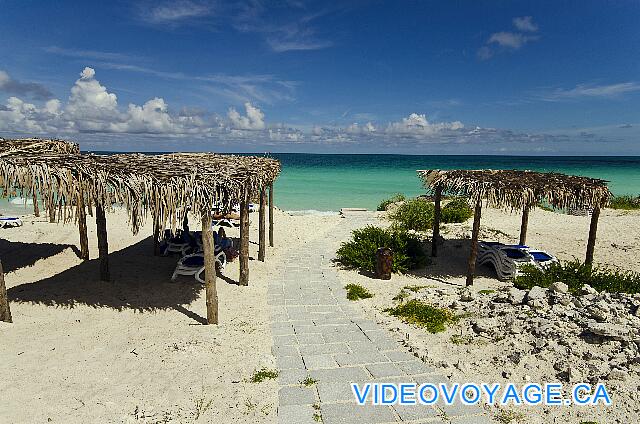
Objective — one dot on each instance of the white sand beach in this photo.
(135, 349)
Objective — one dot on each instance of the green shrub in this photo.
(357, 292)
(399, 197)
(419, 313)
(625, 202)
(575, 273)
(414, 214)
(457, 210)
(417, 214)
(360, 252)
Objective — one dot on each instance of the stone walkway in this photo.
(318, 333)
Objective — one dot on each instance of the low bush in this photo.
(625, 202)
(399, 197)
(575, 273)
(457, 210)
(360, 252)
(263, 374)
(419, 313)
(414, 214)
(357, 292)
(417, 214)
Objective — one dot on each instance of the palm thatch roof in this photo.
(163, 185)
(519, 189)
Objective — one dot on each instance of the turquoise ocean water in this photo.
(312, 182)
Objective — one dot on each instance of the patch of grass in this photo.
(360, 251)
(625, 203)
(400, 297)
(262, 375)
(507, 416)
(461, 340)
(398, 197)
(308, 381)
(414, 289)
(357, 292)
(486, 291)
(575, 274)
(202, 404)
(416, 312)
(317, 416)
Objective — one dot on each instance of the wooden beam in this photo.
(89, 206)
(593, 229)
(5, 311)
(271, 214)
(82, 228)
(436, 222)
(103, 245)
(262, 224)
(474, 243)
(209, 270)
(524, 224)
(244, 240)
(36, 207)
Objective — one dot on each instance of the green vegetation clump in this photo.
(357, 292)
(308, 381)
(575, 274)
(399, 197)
(457, 210)
(360, 252)
(263, 374)
(625, 202)
(416, 312)
(414, 214)
(486, 291)
(418, 214)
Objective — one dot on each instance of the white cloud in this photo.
(591, 91)
(254, 119)
(31, 89)
(525, 24)
(416, 124)
(509, 40)
(175, 12)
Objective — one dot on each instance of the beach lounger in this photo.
(181, 244)
(193, 264)
(509, 259)
(10, 222)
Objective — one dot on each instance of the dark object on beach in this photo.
(5, 312)
(384, 262)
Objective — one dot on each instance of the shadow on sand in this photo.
(139, 281)
(16, 255)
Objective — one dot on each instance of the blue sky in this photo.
(422, 77)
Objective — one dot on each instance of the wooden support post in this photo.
(524, 224)
(52, 209)
(474, 243)
(156, 237)
(103, 245)
(244, 240)
(89, 206)
(271, 214)
(5, 311)
(262, 224)
(82, 227)
(436, 222)
(36, 207)
(209, 270)
(593, 229)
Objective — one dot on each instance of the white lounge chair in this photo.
(10, 222)
(508, 260)
(179, 244)
(193, 264)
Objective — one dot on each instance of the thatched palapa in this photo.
(163, 186)
(515, 189)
